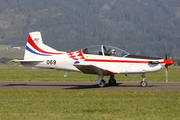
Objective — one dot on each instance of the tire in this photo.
(102, 83)
(112, 82)
(143, 83)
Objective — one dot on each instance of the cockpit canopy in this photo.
(104, 50)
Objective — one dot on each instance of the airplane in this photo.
(102, 60)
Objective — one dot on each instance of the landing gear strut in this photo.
(100, 81)
(143, 83)
(112, 81)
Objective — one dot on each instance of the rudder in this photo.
(35, 47)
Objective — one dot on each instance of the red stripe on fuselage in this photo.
(80, 54)
(31, 42)
(117, 61)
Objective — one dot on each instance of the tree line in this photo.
(139, 27)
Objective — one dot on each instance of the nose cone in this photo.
(168, 62)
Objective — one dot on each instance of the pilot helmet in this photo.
(113, 51)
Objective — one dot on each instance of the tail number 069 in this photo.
(51, 62)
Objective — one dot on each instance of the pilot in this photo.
(112, 52)
(86, 51)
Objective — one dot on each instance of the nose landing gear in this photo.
(143, 83)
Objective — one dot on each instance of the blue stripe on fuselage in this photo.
(30, 50)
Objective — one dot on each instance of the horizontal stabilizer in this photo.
(24, 61)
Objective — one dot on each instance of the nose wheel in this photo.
(143, 83)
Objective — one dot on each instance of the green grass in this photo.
(95, 105)
(53, 75)
(48, 105)
(11, 67)
(173, 67)
(12, 54)
(5, 46)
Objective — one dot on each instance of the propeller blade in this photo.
(166, 69)
(167, 63)
(165, 50)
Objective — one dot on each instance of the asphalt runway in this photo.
(90, 86)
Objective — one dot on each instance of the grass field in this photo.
(12, 54)
(27, 105)
(90, 105)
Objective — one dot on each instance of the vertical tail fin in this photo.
(35, 47)
(30, 50)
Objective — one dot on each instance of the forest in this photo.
(140, 27)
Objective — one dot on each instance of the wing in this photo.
(94, 69)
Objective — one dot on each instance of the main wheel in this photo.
(112, 82)
(102, 83)
(143, 83)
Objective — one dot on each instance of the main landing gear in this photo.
(112, 81)
(143, 83)
(101, 82)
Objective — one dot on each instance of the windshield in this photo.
(104, 50)
(114, 51)
(95, 50)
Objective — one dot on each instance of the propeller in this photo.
(167, 63)
(166, 69)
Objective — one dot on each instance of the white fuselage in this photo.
(121, 65)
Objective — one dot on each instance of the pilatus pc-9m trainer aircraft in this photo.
(101, 60)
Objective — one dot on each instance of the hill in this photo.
(137, 26)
